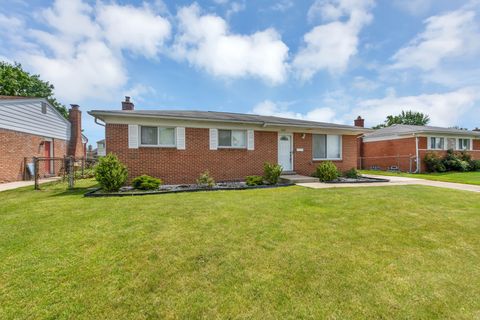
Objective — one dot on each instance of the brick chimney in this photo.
(359, 122)
(75, 146)
(127, 104)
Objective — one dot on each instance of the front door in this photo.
(285, 151)
(47, 147)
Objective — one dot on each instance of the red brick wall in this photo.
(304, 164)
(184, 166)
(397, 152)
(385, 154)
(15, 146)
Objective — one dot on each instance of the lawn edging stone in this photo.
(97, 194)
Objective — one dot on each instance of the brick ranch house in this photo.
(179, 145)
(403, 146)
(32, 127)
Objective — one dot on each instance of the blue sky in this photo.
(324, 60)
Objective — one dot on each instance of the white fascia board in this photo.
(220, 124)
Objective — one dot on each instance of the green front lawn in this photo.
(288, 253)
(458, 177)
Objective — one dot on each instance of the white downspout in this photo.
(417, 154)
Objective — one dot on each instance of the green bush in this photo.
(326, 171)
(254, 180)
(456, 161)
(475, 165)
(434, 163)
(205, 180)
(352, 173)
(272, 172)
(110, 173)
(145, 182)
(87, 173)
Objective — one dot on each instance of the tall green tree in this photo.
(14, 81)
(406, 117)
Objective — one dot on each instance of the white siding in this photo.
(28, 117)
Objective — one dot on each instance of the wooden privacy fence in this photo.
(67, 168)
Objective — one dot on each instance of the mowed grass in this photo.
(406, 252)
(458, 177)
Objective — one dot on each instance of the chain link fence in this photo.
(65, 169)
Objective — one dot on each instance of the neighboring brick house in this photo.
(403, 146)
(179, 145)
(31, 127)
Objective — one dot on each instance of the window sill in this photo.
(232, 148)
(328, 159)
(156, 146)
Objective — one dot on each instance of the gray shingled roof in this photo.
(402, 129)
(223, 116)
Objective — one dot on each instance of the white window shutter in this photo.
(133, 136)
(180, 138)
(213, 139)
(250, 140)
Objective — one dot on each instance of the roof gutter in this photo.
(260, 123)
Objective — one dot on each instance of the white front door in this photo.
(285, 151)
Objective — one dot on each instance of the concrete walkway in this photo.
(394, 181)
(18, 184)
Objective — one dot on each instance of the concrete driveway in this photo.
(394, 181)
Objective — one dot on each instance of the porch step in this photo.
(288, 173)
(296, 178)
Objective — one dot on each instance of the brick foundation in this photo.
(184, 166)
(15, 146)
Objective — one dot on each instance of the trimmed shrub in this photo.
(205, 180)
(254, 180)
(326, 171)
(475, 165)
(110, 173)
(434, 163)
(456, 161)
(352, 173)
(272, 172)
(146, 182)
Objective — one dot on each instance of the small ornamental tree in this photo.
(110, 173)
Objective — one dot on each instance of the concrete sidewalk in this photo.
(394, 181)
(18, 184)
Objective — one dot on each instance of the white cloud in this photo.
(93, 71)
(444, 109)
(206, 42)
(137, 29)
(414, 7)
(454, 34)
(270, 108)
(330, 46)
(282, 5)
(80, 46)
(364, 84)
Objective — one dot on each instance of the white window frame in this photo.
(457, 146)
(328, 159)
(429, 143)
(158, 145)
(232, 147)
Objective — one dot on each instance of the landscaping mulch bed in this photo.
(165, 189)
(358, 180)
